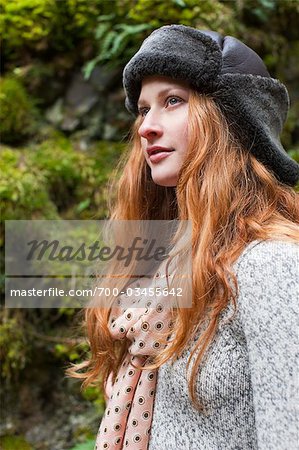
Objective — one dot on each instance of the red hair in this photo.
(245, 203)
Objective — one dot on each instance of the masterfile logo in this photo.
(50, 264)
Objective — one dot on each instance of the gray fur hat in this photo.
(232, 74)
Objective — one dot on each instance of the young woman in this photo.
(220, 374)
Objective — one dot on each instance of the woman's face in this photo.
(163, 107)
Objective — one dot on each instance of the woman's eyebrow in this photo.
(161, 94)
(141, 103)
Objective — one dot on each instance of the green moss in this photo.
(25, 20)
(17, 112)
(52, 177)
(75, 180)
(14, 346)
(23, 191)
(14, 443)
(60, 165)
(40, 25)
(211, 13)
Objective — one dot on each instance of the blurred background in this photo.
(63, 128)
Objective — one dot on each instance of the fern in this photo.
(114, 42)
(101, 30)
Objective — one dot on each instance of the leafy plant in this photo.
(42, 25)
(120, 32)
(95, 395)
(117, 42)
(208, 13)
(261, 10)
(88, 445)
(25, 21)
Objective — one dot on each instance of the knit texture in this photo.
(248, 382)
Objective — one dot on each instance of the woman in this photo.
(205, 148)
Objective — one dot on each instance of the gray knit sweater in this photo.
(249, 378)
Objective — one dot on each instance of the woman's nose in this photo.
(150, 127)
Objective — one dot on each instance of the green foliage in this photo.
(118, 42)
(40, 25)
(262, 9)
(291, 126)
(60, 165)
(25, 21)
(76, 180)
(120, 32)
(74, 20)
(64, 351)
(17, 111)
(14, 348)
(14, 443)
(28, 334)
(294, 154)
(205, 14)
(96, 171)
(52, 176)
(23, 192)
(70, 352)
(96, 396)
(88, 445)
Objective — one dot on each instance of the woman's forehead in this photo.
(157, 83)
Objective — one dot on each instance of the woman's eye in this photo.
(143, 111)
(173, 100)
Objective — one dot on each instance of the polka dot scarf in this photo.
(129, 410)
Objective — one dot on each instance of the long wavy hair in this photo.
(231, 198)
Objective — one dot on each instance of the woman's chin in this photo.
(166, 181)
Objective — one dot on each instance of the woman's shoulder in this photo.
(268, 254)
(267, 275)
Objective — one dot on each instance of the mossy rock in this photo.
(15, 351)
(17, 112)
(60, 165)
(75, 180)
(42, 25)
(14, 443)
(23, 189)
(52, 179)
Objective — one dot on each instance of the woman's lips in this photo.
(157, 153)
(159, 156)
